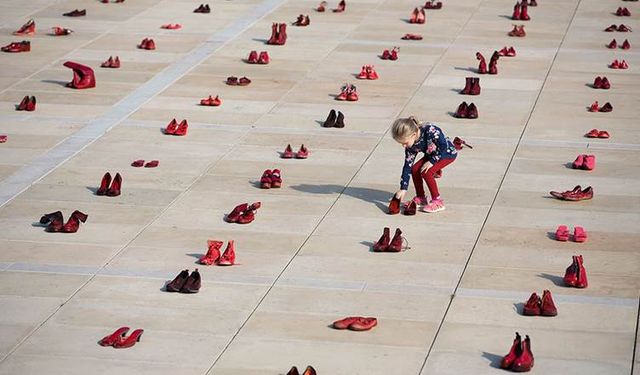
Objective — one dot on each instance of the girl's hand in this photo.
(400, 194)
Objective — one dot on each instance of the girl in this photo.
(438, 153)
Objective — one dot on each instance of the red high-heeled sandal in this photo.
(117, 335)
(130, 340)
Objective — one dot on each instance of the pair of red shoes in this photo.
(83, 76)
(111, 63)
(349, 93)
(520, 11)
(562, 234)
(625, 45)
(390, 55)
(412, 37)
(517, 31)
(211, 102)
(28, 104)
(15, 47)
(595, 133)
(432, 4)
(342, 6)
(520, 357)
(302, 20)
(140, 163)
(622, 28)
(368, 72)
(619, 64)
(55, 220)
(584, 161)
(418, 16)
(309, 370)
(60, 31)
(171, 26)
(388, 244)
(270, 179)
(29, 28)
(577, 194)
(173, 128)
(243, 213)
(537, 306)
(508, 52)
(278, 34)
(601, 83)
(356, 323)
(465, 110)
(288, 153)
(185, 283)
(261, 59)
(203, 8)
(607, 107)
(148, 44)
(234, 81)
(108, 187)
(228, 258)
(118, 340)
(76, 13)
(576, 275)
(472, 86)
(623, 12)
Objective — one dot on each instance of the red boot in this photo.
(213, 253)
(467, 86)
(482, 66)
(524, 362)
(229, 256)
(282, 34)
(274, 34)
(524, 16)
(516, 12)
(515, 350)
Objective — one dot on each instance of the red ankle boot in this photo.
(274, 34)
(116, 185)
(475, 86)
(213, 253)
(524, 362)
(515, 350)
(482, 66)
(282, 34)
(547, 307)
(467, 86)
(104, 184)
(524, 15)
(229, 256)
(532, 307)
(395, 245)
(571, 273)
(516, 12)
(383, 242)
(582, 274)
(73, 223)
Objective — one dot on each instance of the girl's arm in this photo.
(409, 159)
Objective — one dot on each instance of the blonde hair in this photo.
(402, 128)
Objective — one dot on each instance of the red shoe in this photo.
(410, 209)
(594, 107)
(229, 256)
(467, 86)
(493, 68)
(386, 55)
(343, 93)
(619, 12)
(342, 6)
(193, 283)
(623, 28)
(475, 86)
(60, 31)
(605, 84)
(571, 273)
(597, 83)
(152, 164)
(395, 246)
(309, 371)
(352, 94)
(533, 3)
(482, 65)
(16, 47)
(171, 127)
(589, 162)
(73, 223)
(3, 138)
(276, 179)
(518, 31)
(431, 4)
(412, 37)
(511, 52)
(83, 76)
(130, 341)
(625, 44)
(117, 335)
(54, 221)
(363, 73)
(211, 102)
(524, 15)
(116, 62)
(615, 64)
(371, 73)
(265, 180)
(104, 184)
(253, 57)
(28, 28)
(562, 233)
(393, 55)
(249, 214)
(383, 242)
(288, 152)
(322, 7)
(472, 111)
(607, 107)
(232, 81)
(274, 34)
(626, 12)
(603, 134)
(345, 323)
(613, 44)
(282, 34)
(178, 282)
(548, 308)
(303, 153)
(263, 59)
(414, 15)
(577, 164)
(582, 274)
(462, 110)
(234, 215)
(182, 128)
(244, 81)
(593, 133)
(76, 13)
(524, 361)
(458, 143)
(516, 12)
(294, 369)
(363, 324)
(422, 17)
(107, 64)
(579, 235)
(611, 28)
(515, 350)
(532, 307)
(623, 65)
(394, 206)
(503, 51)
(171, 26)
(116, 185)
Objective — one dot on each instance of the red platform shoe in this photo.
(383, 242)
(130, 341)
(229, 256)
(28, 28)
(213, 253)
(73, 223)
(83, 76)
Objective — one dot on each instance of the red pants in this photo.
(428, 175)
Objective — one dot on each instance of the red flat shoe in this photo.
(265, 180)
(611, 28)
(371, 73)
(383, 242)
(288, 152)
(532, 307)
(104, 184)
(309, 371)
(462, 110)
(60, 31)
(276, 180)
(548, 308)
(345, 323)
(171, 26)
(412, 37)
(623, 28)
(138, 163)
(152, 164)
(579, 234)
(244, 81)
(508, 359)
(130, 341)
(229, 256)
(322, 7)
(213, 253)
(593, 133)
(234, 215)
(303, 153)
(562, 233)
(603, 134)
(117, 335)
(232, 81)
(76, 13)
(363, 324)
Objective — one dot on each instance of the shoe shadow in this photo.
(494, 359)
(557, 280)
(196, 255)
(378, 197)
(519, 307)
(260, 40)
(368, 244)
(61, 83)
(473, 70)
(506, 16)
(37, 224)
(320, 122)
(452, 114)
(551, 235)
(92, 189)
(456, 90)
(568, 165)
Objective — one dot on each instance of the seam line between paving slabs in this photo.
(95, 128)
(635, 341)
(515, 151)
(270, 5)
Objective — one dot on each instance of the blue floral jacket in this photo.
(435, 146)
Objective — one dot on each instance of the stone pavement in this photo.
(449, 305)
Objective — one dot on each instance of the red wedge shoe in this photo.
(73, 223)
(383, 242)
(548, 308)
(213, 253)
(562, 233)
(288, 152)
(23, 104)
(130, 341)
(524, 361)
(345, 323)
(117, 335)
(363, 324)
(104, 184)
(265, 180)
(229, 256)
(515, 350)
(303, 153)
(579, 234)
(532, 307)
(276, 180)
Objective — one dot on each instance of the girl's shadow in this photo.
(378, 197)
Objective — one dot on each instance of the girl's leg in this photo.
(416, 176)
(429, 176)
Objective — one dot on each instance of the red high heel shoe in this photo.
(23, 104)
(73, 223)
(462, 110)
(288, 152)
(482, 65)
(253, 57)
(383, 242)
(342, 6)
(83, 76)
(276, 180)
(515, 350)
(459, 143)
(182, 128)
(116, 185)
(562, 233)
(524, 361)
(104, 184)
(193, 283)
(171, 127)
(548, 308)
(130, 341)
(394, 206)
(363, 324)
(265, 180)
(117, 335)
(395, 245)
(623, 65)
(472, 111)
(229, 256)
(532, 307)
(303, 153)
(28, 28)
(213, 253)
